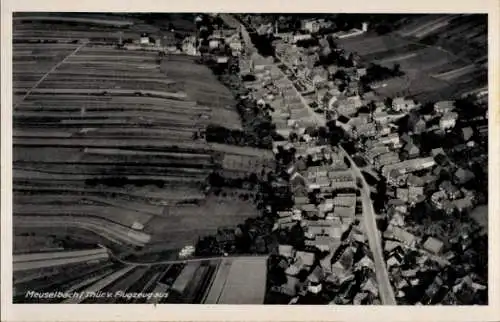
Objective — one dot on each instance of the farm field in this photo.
(104, 138)
(431, 52)
(207, 281)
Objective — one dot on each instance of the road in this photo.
(176, 261)
(385, 289)
(386, 292)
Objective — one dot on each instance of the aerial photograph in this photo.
(244, 158)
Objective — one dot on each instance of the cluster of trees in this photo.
(336, 58)
(254, 235)
(376, 73)
(469, 108)
(306, 43)
(337, 136)
(263, 43)
(220, 134)
(258, 129)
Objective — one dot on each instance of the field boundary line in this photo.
(48, 73)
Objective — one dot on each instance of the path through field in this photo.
(48, 73)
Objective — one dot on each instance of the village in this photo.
(420, 189)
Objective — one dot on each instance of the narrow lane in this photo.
(374, 240)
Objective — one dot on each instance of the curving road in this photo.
(176, 261)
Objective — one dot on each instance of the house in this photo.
(361, 72)
(415, 181)
(412, 150)
(325, 207)
(286, 251)
(324, 243)
(315, 288)
(144, 40)
(400, 283)
(214, 43)
(366, 262)
(416, 124)
(341, 271)
(365, 130)
(437, 151)
(189, 46)
(340, 176)
(451, 190)
(326, 262)
(376, 151)
(409, 273)
(393, 261)
(409, 165)
(344, 200)
(295, 268)
(344, 212)
(448, 121)
(438, 199)
(284, 220)
(307, 258)
(386, 158)
(402, 194)
(400, 104)
(317, 275)
(397, 220)
(236, 45)
(403, 236)
(370, 286)
(359, 236)
(397, 178)
(398, 205)
(390, 245)
(360, 298)
(463, 176)
(301, 200)
(310, 25)
(345, 107)
(444, 107)
(310, 209)
(383, 118)
(467, 133)
(433, 245)
(464, 204)
(414, 193)
(390, 139)
(433, 289)
(300, 37)
(291, 286)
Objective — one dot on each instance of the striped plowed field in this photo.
(103, 139)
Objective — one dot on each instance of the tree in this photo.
(340, 74)
(388, 102)
(293, 137)
(297, 239)
(396, 69)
